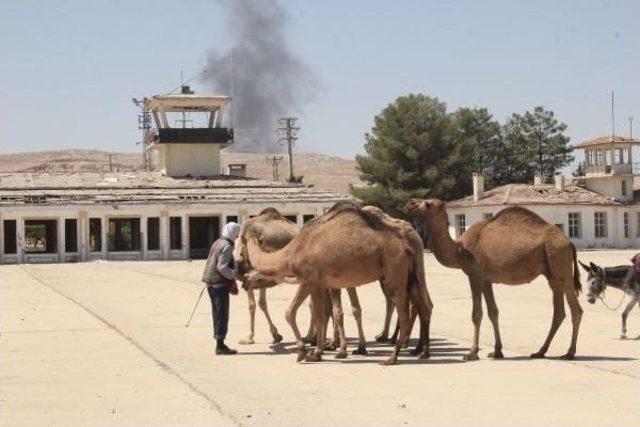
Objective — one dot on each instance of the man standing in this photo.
(219, 275)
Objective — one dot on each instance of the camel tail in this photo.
(412, 274)
(576, 271)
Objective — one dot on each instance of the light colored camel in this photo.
(274, 232)
(513, 248)
(415, 241)
(344, 248)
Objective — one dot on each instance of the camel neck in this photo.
(272, 264)
(444, 248)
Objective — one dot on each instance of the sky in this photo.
(68, 69)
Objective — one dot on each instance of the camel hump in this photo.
(271, 213)
(514, 214)
(348, 207)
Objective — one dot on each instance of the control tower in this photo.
(188, 133)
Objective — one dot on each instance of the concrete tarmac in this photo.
(104, 343)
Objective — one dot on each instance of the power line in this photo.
(289, 133)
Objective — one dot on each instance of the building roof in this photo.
(525, 194)
(607, 140)
(186, 102)
(148, 187)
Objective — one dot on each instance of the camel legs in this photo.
(318, 298)
(356, 310)
(625, 314)
(262, 303)
(252, 317)
(338, 319)
(576, 317)
(401, 301)
(421, 308)
(290, 315)
(476, 317)
(384, 335)
(492, 311)
(558, 317)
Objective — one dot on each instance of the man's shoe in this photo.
(225, 351)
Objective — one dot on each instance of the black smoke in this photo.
(267, 79)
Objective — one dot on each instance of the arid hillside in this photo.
(325, 172)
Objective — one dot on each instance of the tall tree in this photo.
(413, 150)
(482, 137)
(537, 145)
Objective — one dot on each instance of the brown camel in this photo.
(415, 241)
(274, 232)
(344, 248)
(513, 248)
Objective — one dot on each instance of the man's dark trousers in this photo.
(220, 303)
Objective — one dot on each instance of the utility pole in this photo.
(110, 156)
(287, 127)
(630, 127)
(144, 124)
(274, 161)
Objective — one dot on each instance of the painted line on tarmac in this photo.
(166, 368)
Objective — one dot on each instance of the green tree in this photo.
(535, 144)
(413, 150)
(482, 138)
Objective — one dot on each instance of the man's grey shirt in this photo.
(220, 267)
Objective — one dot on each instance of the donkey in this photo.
(616, 277)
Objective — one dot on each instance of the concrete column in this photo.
(83, 236)
(299, 219)
(143, 237)
(104, 225)
(61, 239)
(20, 240)
(164, 234)
(185, 236)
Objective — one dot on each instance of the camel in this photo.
(513, 247)
(345, 248)
(414, 239)
(274, 231)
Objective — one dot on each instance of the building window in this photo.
(625, 220)
(40, 236)
(624, 188)
(487, 216)
(307, 218)
(575, 225)
(232, 218)
(600, 224)
(10, 241)
(175, 232)
(461, 224)
(124, 234)
(292, 218)
(95, 235)
(71, 235)
(153, 234)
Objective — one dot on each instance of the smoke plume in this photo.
(267, 79)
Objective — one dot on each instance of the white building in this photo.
(599, 211)
(175, 212)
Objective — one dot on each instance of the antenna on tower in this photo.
(630, 127)
(613, 117)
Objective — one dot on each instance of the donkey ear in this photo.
(583, 265)
(593, 266)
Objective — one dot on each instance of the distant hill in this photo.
(325, 172)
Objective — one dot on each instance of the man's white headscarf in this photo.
(231, 231)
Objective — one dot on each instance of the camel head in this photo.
(425, 208)
(595, 281)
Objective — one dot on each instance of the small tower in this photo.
(609, 166)
(193, 150)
